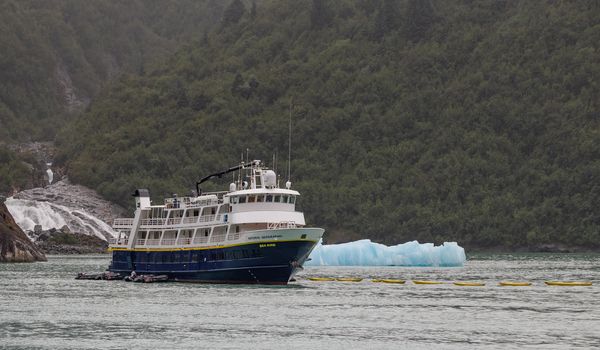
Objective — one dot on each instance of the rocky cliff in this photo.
(15, 246)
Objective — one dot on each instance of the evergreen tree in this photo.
(420, 17)
(234, 12)
(321, 15)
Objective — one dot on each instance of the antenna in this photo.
(290, 141)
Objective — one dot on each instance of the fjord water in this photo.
(43, 307)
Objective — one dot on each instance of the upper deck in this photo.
(258, 201)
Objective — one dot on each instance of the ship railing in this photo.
(153, 242)
(152, 222)
(190, 220)
(179, 221)
(168, 241)
(123, 222)
(219, 194)
(281, 224)
(184, 241)
(140, 241)
(202, 203)
(160, 222)
(173, 221)
(233, 236)
(218, 238)
(207, 218)
(200, 239)
(117, 242)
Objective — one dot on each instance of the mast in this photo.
(290, 141)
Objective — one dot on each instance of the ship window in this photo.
(269, 198)
(251, 199)
(260, 198)
(284, 199)
(292, 199)
(242, 199)
(234, 199)
(277, 199)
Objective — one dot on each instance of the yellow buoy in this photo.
(427, 282)
(568, 284)
(349, 279)
(321, 279)
(469, 284)
(393, 281)
(514, 284)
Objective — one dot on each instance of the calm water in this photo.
(43, 307)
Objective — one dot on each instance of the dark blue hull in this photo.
(255, 263)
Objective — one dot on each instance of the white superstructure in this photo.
(254, 209)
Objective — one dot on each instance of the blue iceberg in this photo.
(367, 253)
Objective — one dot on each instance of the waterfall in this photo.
(50, 173)
(28, 213)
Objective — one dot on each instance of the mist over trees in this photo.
(470, 121)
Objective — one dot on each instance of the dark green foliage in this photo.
(56, 54)
(420, 17)
(470, 121)
(321, 15)
(234, 12)
(16, 172)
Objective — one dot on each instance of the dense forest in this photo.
(56, 55)
(471, 121)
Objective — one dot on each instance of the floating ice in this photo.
(366, 253)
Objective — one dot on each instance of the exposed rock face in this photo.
(15, 246)
(63, 241)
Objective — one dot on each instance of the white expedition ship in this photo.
(249, 234)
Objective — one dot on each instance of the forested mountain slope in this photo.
(474, 121)
(55, 55)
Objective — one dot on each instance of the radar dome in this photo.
(270, 179)
(232, 187)
(288, 185)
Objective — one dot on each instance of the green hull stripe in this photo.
(203, 248)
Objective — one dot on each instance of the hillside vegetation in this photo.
(474, 121)
(57, 54)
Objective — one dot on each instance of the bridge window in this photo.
(292, 199)
(284, 199)
(234, 200)
(260, 198)
(269, 198)
(277, 199)
(242, 199)
(251, 199)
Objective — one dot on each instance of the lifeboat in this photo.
(427, 282)
(321, 279)
(568, 284)
(348, 279)
(393, 281)
(514, 284)
(469, 284)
